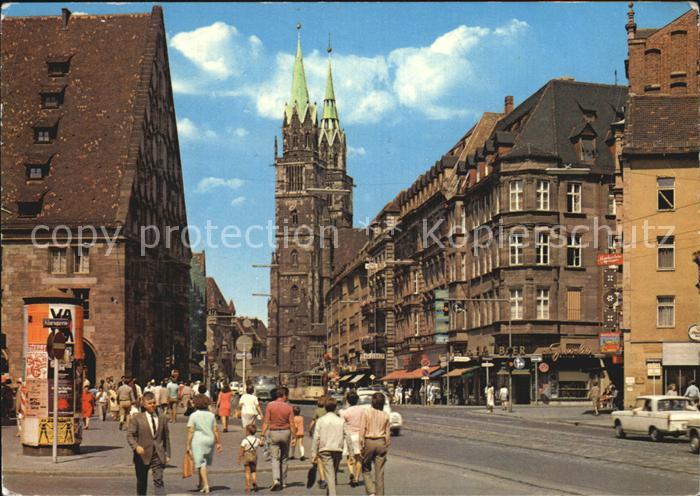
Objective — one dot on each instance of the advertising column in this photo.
(45, 316)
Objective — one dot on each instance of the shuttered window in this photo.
(573, 304)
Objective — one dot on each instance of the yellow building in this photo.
(661, 213)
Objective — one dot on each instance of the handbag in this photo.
(187, 466)
(311, 476)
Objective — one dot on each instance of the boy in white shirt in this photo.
(248, 453)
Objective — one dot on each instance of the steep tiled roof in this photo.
(94, 125)
(350, 242)
(215, 298)
(662, 124)
(544, 123)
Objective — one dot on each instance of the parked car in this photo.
(395, 418)
(263, 386)
(694, 436)
(656, 416)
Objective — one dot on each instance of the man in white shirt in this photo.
(330, 433)
(249, 407)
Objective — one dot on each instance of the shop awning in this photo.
(418, 373)
(395, 375)
(357, 378)
(345, 378)
(461, 372)
(437, 373)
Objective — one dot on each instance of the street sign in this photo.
(536, 358)
(241, 356)
(425, 362)
(653, 368)
(487, 364)
(372, 377)
(372, 356)
(543, 367)
(56, 345)
(57, 322)
(461, 359)
(425, 372)
(605, 259)
(443, 363)
(519, 363)
(244, 343)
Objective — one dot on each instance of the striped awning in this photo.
(357, 378)
(461, 372)
(395, 375)
(345, 378)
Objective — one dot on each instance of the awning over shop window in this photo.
(418, 373)
(437, 373)
(356, 379)
(462, 372)
(395, 375)
(345, 378)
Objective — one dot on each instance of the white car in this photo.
(395, 418)
(656, 416)
(694, 436)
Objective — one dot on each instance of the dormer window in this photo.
(37, 167)
(58, 65)
(36, 172)
(29, 209)
(30, 201)
(52, 96)
(587, 147)
(45, 130)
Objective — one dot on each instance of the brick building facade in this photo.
(90, 140)
(658, 182)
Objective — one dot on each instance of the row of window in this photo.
(59, 262)
(543, 196)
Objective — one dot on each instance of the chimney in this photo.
(508, 107)
(65, 15)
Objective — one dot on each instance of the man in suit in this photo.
(149, 437)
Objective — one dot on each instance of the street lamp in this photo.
(510, 342)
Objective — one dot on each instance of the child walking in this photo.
(248, 454)
(299, 439)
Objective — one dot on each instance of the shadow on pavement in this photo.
(84, 450)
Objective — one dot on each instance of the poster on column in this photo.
(66, 389)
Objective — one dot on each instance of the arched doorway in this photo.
(90, 362)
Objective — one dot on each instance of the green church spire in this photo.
(330, 112)
(300, 92)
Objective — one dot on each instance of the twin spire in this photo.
(300, 92)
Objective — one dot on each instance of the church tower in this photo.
(312, 197)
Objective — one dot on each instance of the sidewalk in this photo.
(580, 414)
(105, 452)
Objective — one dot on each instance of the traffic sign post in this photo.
(244, 344)
(56, 349)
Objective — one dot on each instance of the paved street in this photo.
(442, 450)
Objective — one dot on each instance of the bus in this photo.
(307, 386)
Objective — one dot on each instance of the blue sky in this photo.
(410, 80)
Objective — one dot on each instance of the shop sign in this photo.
(555, 348)
(629, 381)
(653, 368)
(606, 259)
(536, 358)
(372, 356)
(610, 342)
(543, 367)
(487, 364)
(461, 359)
(694, 332)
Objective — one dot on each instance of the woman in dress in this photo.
(490, 397)
(87, 400)
(223, 406)
(202, 436)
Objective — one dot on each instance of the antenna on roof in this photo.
(615, 77)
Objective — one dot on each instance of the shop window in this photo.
(666, 253)
(665, 311)
(573, 304)
(666, 193)
(57, 260)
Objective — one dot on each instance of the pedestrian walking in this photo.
(125, 397)
(149, 437)
(594, 396)
(86, 404)
(330, 435)
(298, 439)
(374, 440)
(672, 390)
(319, 412)
(102, 399)
(279, 421)
(399, 394)
(692, 392)
(202, 438)
(173, 390)
(248, 454)
(352, 416)
(113, 403)
(490, 394)
(163, 397)
(186, 399)
(249, 407)
(503, 397)
(223, 406)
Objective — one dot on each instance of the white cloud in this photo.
(79, 13)
(368, 89)
(359, 151)
(210, 48)
(238, 201)
(240, 132)
(188, 130)
(208, 183)
(6, 6)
